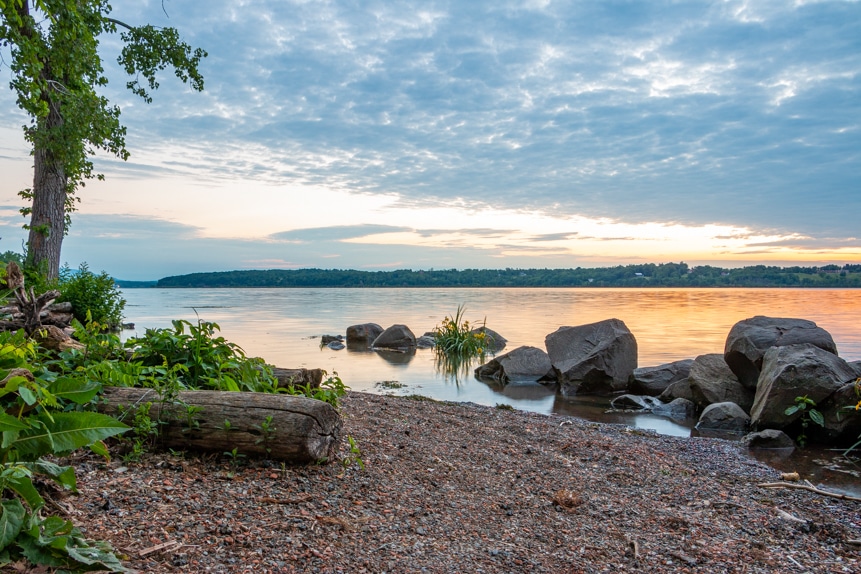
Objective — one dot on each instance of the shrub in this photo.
(93, 297)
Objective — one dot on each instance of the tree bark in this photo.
(48, 211)
(300, 431)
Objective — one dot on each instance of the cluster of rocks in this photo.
(397, 338)
(766, 364)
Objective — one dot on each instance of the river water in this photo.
(283, 326)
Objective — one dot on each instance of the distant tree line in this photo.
(644, 275)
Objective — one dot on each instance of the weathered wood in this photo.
(301, 430)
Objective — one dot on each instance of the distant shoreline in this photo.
(665, 275)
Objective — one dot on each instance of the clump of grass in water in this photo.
(453, 337)
(456, 345)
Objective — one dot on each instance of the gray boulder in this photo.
(523, 364)
(677, 390)
(677, 409)
(768, 438)
(426, 341)
(496, 342)
(856, 366)
(654, 380)
(398, 337)
(724, 416)
(711, 382)
(595, 358)
(795, 371)
(841, 423)
(363, 334)
(748, 341)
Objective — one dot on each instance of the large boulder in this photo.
(726, 416)
(677, 409)
(364, 334)
(523, 364)
(595, 358)
(654, 380)
(748, 340)
(795, 371)
(841, 422)
(397, 337)
(712, 382)
(677, 390)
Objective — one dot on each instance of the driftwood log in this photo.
(300, 430)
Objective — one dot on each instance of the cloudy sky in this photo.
(484, 133)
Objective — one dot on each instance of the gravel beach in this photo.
(464, 488)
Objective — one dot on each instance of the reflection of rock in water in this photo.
(396, 357)
(521, 391)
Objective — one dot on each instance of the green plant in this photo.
(38, 419)
(454, 337)
(267, 430)
(807, 407)
(354, 456)
(235, 457)
(208, 361)
(191, 423)
(93, 297)
(329, 391)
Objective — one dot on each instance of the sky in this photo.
(375, 135)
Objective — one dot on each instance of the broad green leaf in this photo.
(11, 521)
(817, 417)
(26, 394)
(74, 389)
(100, 449)
(23, 485)
(792, 410)
(62, 475)
(8, 422)
(66, 432)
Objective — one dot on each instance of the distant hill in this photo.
(645, 275)
(123, 284)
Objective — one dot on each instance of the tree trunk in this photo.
(300, 430)
(48, 212)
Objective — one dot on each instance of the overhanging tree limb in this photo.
(56, 74)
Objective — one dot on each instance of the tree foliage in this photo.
(641, 275)
(56, 75)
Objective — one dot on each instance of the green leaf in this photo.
(10, 423)
(23, 486)
(100, 449)
(11, 521)
(817, 417)
(792, 410)
(62, 475)
(27, 395)
(66, 432)
(77, 390)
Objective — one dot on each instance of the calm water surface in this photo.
(283, 327)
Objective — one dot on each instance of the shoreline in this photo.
(450, 487)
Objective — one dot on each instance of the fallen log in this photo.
(286, 428)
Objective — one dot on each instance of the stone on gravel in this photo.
(748, 340)
(724, 416)
(595, 358)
